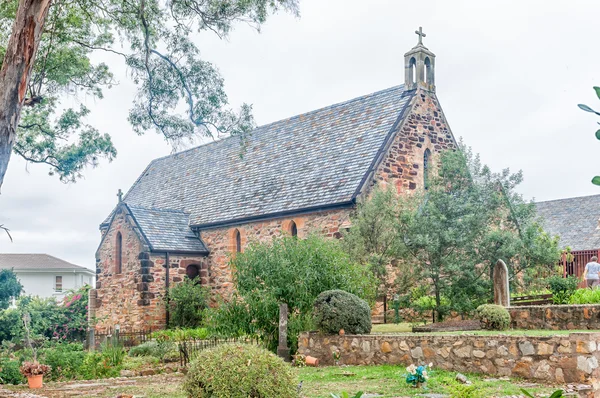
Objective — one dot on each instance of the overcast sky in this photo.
(509, 76)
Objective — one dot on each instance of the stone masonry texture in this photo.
(134, 299)
(572, 358)
(556, 317)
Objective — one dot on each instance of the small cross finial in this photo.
(421, 34)
(120, 195)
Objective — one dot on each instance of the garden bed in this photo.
(449, 326)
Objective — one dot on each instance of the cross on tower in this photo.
(421, 34)
(120, 195)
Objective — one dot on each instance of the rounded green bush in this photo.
(493, 317)
(239, 371)
(336, 309)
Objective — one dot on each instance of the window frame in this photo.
(56, 283)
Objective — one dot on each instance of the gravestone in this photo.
(501, 289)
(283, 350)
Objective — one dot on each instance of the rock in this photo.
(416, 353)
(461, 378)
(526, 348)
(478, 354)
(386, 348)
(127, 373)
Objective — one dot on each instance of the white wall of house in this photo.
(53, 283)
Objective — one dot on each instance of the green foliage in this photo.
(149, 348)
(49, 319)
(585, 296)
(493, 317)
(9, 371)
(187, 300)
(268, 274)
(465, 391)
(562, 288)
(336, 309)
(9, 287)
(65, 360)
(555, 394)
(106, 363)
(346, 395)
(239, 371)
(373, 241)
(596, 179)
(180, 95)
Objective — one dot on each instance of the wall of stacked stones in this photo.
(221, 241)
(572, 358)
(556, 317)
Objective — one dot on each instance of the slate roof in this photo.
(575, 220)
(34, 261)
(316, 159)
(167, 230)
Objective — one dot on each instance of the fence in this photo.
(539, 299)
(580, 259)
(127, 338)
(189, 349)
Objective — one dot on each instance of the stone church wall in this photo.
(221, 241)
(425, 127)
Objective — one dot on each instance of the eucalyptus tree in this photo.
(45, 50)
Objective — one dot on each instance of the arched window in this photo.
(427, 70)
(192, 271)
(426, 161)
(413, 69)
(119, 254)
(238, 241)
(293, 229)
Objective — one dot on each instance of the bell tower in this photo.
(419, 66)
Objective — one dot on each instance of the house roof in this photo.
(167, 230)
(35, 261)
(575, 220)
(317, 159)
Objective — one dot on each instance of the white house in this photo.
(46, 276)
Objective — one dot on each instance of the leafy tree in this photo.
(187, 300)
(595, 180)
(45, 50)
(10, 287)
(463, 223)
(287, 270)
(372, 240)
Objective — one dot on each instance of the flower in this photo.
(412, 369)
(425, 375)
(430, 365)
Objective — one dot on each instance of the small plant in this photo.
(34, 368)
(346, 395)
(562, 288)
(493, 317)
(465, 391)
(337, 309)
(555, 394)
(418, 375)
(336, 357)
(299, 360)
(585, 296)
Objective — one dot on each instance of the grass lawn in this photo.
(406, 328)
(386, 380)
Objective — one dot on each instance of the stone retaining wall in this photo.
(572, 358)
(556, 317)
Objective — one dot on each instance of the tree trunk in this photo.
(16, 70)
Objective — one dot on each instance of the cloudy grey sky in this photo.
(509, 75)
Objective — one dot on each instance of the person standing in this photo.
(590, 273)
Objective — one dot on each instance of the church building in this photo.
(189, 212)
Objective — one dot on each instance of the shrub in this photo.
(97, 366)
(9, 372)
(267, 274)
(65, 360)
(239, 371)
(493, 317)
(585, 296)
(337, 309)
(562, 288)
(147, 349)
(187, 300)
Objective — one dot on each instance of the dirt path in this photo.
(166, 385)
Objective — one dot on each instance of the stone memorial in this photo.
(501, 287)
(283, 351)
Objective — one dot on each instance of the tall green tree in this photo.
(372, 240)
(45, 51)
(10, 287)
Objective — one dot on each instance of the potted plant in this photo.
(417, 375)
(34, 371)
